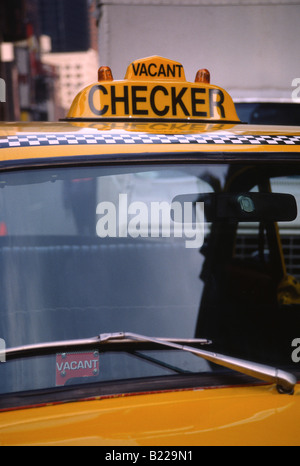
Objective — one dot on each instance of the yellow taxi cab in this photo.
(149, 271)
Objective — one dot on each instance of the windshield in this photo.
(168, 251)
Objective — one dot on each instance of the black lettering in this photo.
(136, 69)
(143, 70)
(94, 89)
(161, 71)
(196, 101)
(123, 99)
(180, 67)
(149, 69)
(177, 100)
(152, 101)
(216, 103)
(171, 71)
(136, 99)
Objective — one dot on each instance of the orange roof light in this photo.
(154, 88)
(105, 74)
(203, 76)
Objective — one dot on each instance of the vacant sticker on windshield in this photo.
(76, 365)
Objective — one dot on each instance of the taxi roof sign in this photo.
(155, 69)
(153, 88)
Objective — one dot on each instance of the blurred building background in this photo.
(72, 28)
(250, 47)
(49, 49)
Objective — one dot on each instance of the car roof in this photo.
(40, 140)
(154, 110)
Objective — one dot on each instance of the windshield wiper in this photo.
(284, 381)
(111, 341)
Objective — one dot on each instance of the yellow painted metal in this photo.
(255, 415)
(23, 153)
(155, 127)
(153, 88)
(163, 127)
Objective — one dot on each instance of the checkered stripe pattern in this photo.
(141, 138)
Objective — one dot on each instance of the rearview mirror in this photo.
(243, 207)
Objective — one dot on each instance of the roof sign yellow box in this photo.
(153, 88)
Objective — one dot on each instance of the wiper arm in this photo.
(284, 381)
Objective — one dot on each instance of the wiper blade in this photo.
(284, 381)
(111, 341)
